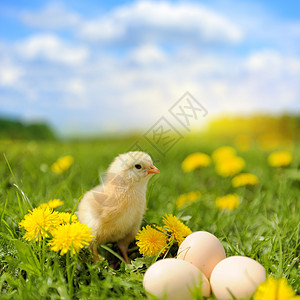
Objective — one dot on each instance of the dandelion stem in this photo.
(69, 275)
(40, 253)
(43, 256)
(74, 269)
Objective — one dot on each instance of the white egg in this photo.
(238, 274)
(174, 279)
(203, 250)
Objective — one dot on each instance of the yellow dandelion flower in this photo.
(37, 222)
(176, 228)
(54, 203)
(187, 198)
(273, 289)
(223, 153)
(70, 237)
(228, 202)
(280, 158)
(43, 205)
(151, 241)
(194, 161)
(269, 141)
(243, 142)
(230, 166)
(65, 218)
(244, 179)
(62, 164)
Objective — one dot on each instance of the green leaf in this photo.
(29, 261)
(8, 228)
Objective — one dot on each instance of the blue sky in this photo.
(110, 66)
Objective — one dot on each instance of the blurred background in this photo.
(92, 68)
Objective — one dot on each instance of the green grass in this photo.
(265, 226)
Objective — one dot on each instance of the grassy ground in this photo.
(265, 226)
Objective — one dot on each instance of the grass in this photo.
(265, 226)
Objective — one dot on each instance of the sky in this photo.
(111, 66)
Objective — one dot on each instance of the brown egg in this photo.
(175, 279)
(238, 274)
(203, 250)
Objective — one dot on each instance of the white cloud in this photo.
(10, 73)
(149, 21)
(264, 81)
(74, 94)
(148, 55)
(52, 16)
(272, 62)
(76, 86)
(52, 48)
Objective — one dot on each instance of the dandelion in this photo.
(223, 153)
(194, 161)
(62, 164)
(269, 141)
(273, 289)
(70, 237)
(280, 158)
(230, 166)
(176, 228)
(66, 218)
(187, 198)
(54, 203)
(243, 142)
(38, 222)
(244, 179)
(150, 241)
(228, 202)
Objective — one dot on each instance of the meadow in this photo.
(264, 226)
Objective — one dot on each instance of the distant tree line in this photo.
(14, 129)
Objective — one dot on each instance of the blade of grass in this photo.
(76, 204)
(9, 167)
(8, 228)
(113, 252)
(280, 253)
(3, 210)
(20, 205)
(24, 197)
(233, 248)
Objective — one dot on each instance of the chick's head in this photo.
(131, 167)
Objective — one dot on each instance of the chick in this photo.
(114, 209)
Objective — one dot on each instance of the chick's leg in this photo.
(124, 243)
(123, 246)
(94, 250)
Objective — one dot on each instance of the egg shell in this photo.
(203, 250)
(239, 274)
(171, 278)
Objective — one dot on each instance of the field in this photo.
(265, 226)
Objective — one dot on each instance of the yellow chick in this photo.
(114, 209)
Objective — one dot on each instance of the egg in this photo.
(238, 274)
(203, 250)
(174, 279)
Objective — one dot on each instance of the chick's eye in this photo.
(138, 166)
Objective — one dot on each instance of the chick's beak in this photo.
(153, 170)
